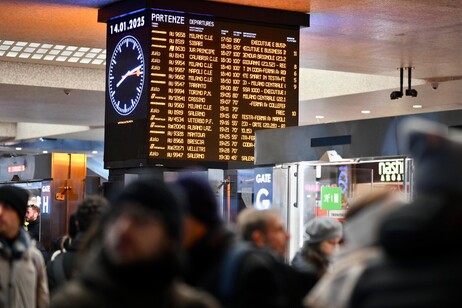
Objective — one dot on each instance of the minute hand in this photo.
(135, 71)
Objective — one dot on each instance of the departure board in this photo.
(209, 84)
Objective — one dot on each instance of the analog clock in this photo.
(126, 75)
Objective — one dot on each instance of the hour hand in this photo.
(136, 71)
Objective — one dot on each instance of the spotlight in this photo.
(396, 94)
(411, 92)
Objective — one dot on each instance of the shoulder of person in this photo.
(35, 254)
(187, 296)
(74, 294)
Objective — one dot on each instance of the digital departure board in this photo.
(187, 88)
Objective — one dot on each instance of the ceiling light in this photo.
(18, 149)
(50, 52)
(417, 106)
(319, 117)
(365, 111)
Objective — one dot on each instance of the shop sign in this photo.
(331, 198)
(391, 171)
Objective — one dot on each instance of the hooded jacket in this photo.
(23, 280)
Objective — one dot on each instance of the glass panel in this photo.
(343, 183)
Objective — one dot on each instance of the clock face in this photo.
(126, 75)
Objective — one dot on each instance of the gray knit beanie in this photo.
(322, 229)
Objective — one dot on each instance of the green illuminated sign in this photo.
(331, 198)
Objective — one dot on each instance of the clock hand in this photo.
(136, 71)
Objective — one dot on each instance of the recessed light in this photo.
(365, 111)
(319, 117)
(94, 152)
(49, 52)
(18, 149)
(416, 106)
(45, 152)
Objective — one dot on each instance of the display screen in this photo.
(210, 83)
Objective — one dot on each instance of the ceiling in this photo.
(349, 60)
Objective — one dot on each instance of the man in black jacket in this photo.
(32, 219)
(265, 230)
(32, 223)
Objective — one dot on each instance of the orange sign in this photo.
(16, 168)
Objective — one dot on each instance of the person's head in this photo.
(32, 213)
(91, 208)
(264, 228)
(364, 215)
(13, 205)
(143, 224)
(200, 211)
(325, 233)
(436, 156)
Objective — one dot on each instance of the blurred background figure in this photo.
(32, 221)
(265, 229)
(134, 260)
(316, 255)
(61, 268)
(359, 247)
(237, 275)
(32, 225)
(420, 266)
(206, 239)
(23, 280)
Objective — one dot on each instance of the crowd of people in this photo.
(158, 243)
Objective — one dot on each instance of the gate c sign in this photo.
(263, 188)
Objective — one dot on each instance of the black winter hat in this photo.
(201, 202)
(154, 194)
(16, 197)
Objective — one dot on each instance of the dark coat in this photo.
(62, 268)
(420, 264)
(101, 285)
(258, 278)
(34, 229)
(308, 260)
